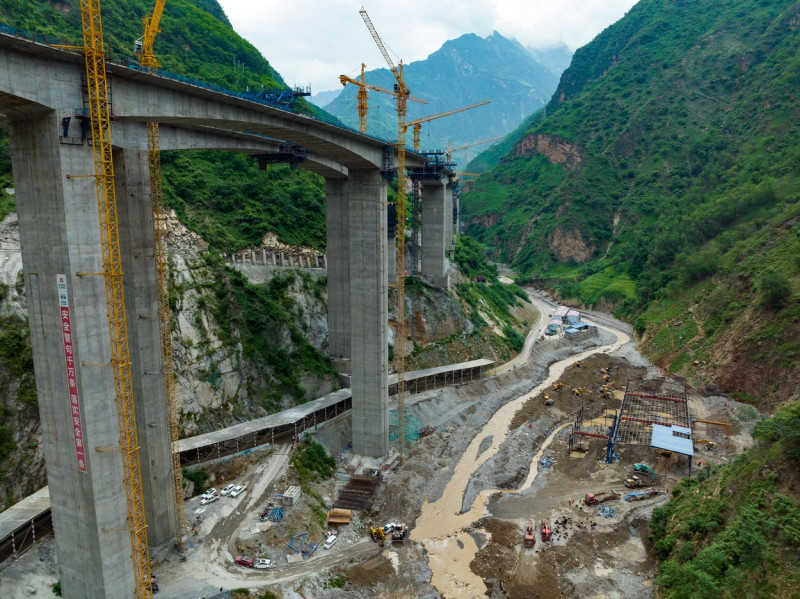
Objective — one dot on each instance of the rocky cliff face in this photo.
(216, 384)
(556, 149)
(22, 468)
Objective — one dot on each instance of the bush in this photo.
(775, 291)
(313, 462)
(514, 340)
(198, 477)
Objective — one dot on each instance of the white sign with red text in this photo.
(72, 379)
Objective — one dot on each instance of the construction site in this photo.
(533, 478)
(537, 480)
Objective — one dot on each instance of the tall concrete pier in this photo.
(369, 312)
(435, 219)
(60, 233)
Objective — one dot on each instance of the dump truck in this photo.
(598, 498)
(546, 531)
(530, 539)
(634, 482)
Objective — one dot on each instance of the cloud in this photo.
(310, 41)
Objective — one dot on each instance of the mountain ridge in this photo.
(463, 71)
(682, 177)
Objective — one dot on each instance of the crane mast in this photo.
(361, 96)
(402, 96)
(100, 122)
(152, 25)
(149, 62)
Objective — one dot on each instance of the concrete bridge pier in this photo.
(135, 215)
(356, 213)
(337, 227)
(435, 240)
(58, 222)
(369, 311)
(450, 211)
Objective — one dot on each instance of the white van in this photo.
(330, 541)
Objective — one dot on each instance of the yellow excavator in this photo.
(377, 534)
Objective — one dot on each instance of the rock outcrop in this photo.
(557, 150)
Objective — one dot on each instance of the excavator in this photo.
(530, 539)
(645, 468)
(548, 401)
(377, 534)
(557, 385)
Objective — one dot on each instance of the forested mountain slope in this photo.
(663, 181)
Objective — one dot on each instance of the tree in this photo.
(775, 291)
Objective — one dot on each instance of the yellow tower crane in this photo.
(465, 146)
(100, 122)
(361, 96)
(402, 94)
(144, 45)
(147, 59)
(416, 123)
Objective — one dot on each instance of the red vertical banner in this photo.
(72, 379)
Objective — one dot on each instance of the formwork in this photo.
(357, 493)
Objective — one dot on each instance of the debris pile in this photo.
(607, 511)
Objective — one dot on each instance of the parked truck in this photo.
(598, 498)
(546, 531)
(530, 539)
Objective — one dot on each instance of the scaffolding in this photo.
(650, 403)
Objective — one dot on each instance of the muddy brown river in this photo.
(441, 525)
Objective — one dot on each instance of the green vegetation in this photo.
(666, 174)
(335, 581)
(16, 357)
(261, 318)
(312, 462)
(7, 443)
(232, 204)
(57, 588)
(735, 532)
(470, 256)
(198, 476)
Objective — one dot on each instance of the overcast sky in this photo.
(315, 41)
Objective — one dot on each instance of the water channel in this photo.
(441, 527)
